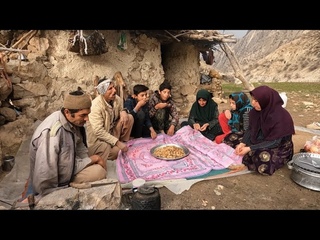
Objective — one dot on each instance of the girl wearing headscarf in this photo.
(267, 144)
(203, 115)
(234, 122)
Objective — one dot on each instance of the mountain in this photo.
(275, 56)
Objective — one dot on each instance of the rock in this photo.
(107, 197)
(9, 114)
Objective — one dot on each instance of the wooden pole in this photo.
(236, 66)
(13, 50)
(178, 40)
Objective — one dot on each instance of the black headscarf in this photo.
(274, 120)
(203, 114)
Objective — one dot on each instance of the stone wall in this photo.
(50, 70)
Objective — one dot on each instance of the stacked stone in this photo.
(216, 83)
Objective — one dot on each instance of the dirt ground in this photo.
(252, 191)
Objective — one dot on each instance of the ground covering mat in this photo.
(205, 158)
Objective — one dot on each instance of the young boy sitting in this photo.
(137, 105)
(162, 110)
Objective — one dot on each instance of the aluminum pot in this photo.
(305, 170)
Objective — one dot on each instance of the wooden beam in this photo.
(13, 50)
(236, 66)
(178, 40)
(180, 34)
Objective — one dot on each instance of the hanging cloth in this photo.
(122, 45)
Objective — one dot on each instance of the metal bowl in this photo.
(304, 173)
(185, 150)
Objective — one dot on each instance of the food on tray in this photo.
(169, 152)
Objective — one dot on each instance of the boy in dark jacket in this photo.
(137, 105)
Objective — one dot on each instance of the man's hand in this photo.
(124, 118)
(122, 146)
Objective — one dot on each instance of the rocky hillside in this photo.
(276, 56)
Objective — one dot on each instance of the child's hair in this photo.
(139, 88)
(165, 85)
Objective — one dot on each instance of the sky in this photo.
(236, 33)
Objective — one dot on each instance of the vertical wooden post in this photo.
(236, 66)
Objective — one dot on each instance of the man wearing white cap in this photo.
(58, 149)
(109, 126)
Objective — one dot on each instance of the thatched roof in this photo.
(203, 39)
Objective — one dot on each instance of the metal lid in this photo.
(307, 161)
(146, 190)
(138, 182)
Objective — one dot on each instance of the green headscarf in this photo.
(206, 113)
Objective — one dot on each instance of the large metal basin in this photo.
(303, 173)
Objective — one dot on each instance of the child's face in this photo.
(165, 94)
(142, 96)
(202, 102)
(232, 104)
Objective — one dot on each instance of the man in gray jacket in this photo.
(58, 149)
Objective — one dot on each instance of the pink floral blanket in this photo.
(204, 156)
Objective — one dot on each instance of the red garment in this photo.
(223, 120)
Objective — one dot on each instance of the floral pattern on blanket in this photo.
(204, 156)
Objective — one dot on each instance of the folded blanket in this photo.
(204, 156)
